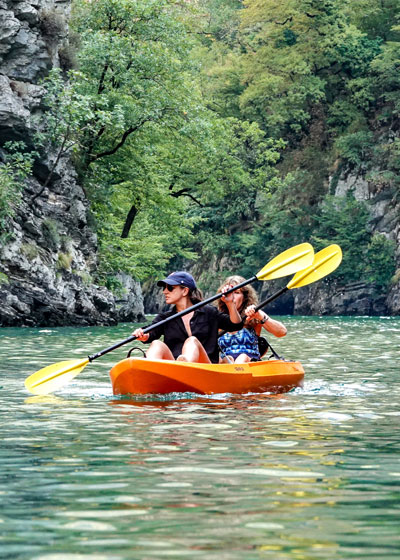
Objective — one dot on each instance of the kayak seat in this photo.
(136, 348)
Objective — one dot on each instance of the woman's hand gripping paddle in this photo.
(325, 262)
(53, 377)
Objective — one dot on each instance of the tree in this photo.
(232, 223)
(150, 149)
(366, 257)
(134, 64)
(300, 55)
(14, 169)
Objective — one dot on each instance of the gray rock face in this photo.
(30, 35)
(50, 256)
(385, 219)
(330, 298)
(14, 110)
(48, 264)
(129, 304)
(327, 297)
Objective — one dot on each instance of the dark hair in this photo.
(195, 296)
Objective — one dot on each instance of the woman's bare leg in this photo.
(158, 350)
(242, 359)
(193, 351)
(226, 360)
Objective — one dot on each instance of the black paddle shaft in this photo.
(168, 319)
(271, 298)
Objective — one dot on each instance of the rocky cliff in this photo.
(358, 298)
(49, 258)
(50, 253)
(329, 297)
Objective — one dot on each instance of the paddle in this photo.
(55, 376)
(325, 261)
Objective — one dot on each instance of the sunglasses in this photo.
(169, 288)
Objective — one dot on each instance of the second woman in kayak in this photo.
(192, 337)
(243, 346)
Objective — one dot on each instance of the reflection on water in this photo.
(312, 474)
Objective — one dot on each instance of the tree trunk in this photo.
(129, 221)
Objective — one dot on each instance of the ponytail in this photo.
(195, 296)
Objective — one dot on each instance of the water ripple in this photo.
(310, 474)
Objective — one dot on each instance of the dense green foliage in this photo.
(220, 128)
(342, 220)
(323, 77)
(16, 167)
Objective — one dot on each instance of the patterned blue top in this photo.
(244, 341)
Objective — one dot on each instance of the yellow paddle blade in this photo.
(50, 378)
(325, 262)
(290, 261)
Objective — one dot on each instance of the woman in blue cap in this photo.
(194, 336)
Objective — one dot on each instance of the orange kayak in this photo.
(140, 376)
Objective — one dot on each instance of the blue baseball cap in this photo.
(178, 279)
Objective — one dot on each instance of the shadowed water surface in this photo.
(313, 474)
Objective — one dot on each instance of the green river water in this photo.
(312, 474)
